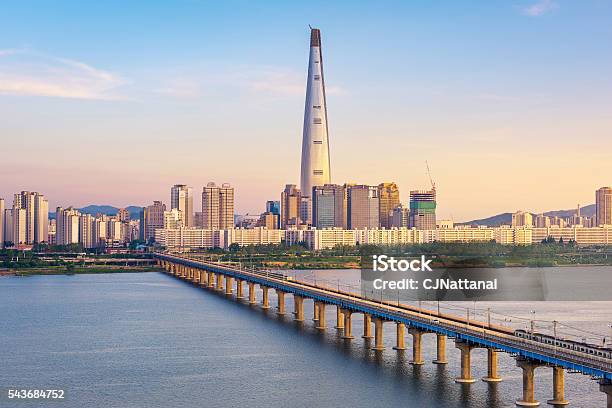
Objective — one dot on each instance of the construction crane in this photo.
(433, 185)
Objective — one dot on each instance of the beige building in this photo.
(389, 199)
(254, 236)
(603, 206)
(36, 209)
(181, 198)
(87, 230)
(217, 206)
(481, 234)
(151, 219)
(522, 219)
(1, 223)
(268, 220)
(173, 219)
(187, 238)
(290, 202)
(328, 238)
(67, 226)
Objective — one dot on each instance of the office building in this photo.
(328, 206)
(274, 207)
(181, 198)
(363, 207)
(291, 199)
(389, 199)
(400, 217)
(423, 209)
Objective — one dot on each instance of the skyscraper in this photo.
(218, 206)
(423, 209)
(36, 209)
(315, 143)
(603, 206)
(388, 194)
(363, 207)
(151, 219)
(328, 206)
(181, 198)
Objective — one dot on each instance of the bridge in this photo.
(467, 335)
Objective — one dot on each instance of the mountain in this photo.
(506, 218)
(107, 210)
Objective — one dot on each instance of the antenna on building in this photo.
(433, 185)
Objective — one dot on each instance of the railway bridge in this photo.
(467, 335)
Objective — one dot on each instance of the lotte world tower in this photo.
(315, 141)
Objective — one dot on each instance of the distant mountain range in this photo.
(506, 218)
(107, 210)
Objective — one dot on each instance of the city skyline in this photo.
(504, 121)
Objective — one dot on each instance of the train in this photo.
(587, 348)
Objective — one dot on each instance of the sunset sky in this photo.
(112, 102)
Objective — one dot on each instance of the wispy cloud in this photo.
(24, 72)
(540, 8)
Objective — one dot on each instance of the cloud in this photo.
(540, 8)
(24, 72)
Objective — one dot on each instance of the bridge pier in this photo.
(367, 326)
(466, 370)
(378, 334)
(491, 367)
(251, 293)
(606, 388)
(228, 286)
(315, 312)
(322, 323)
(299, 308)
(417, 336)
(348, 325)
(528, 367)
(558, 387)
(441, 349)
(265, 302)
(280, 296)
(239, 291)
(339, 318)
(400, 331)
(211, 280)
(219, 282)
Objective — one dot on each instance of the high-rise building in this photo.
(123, 215)
(67, 226)
(291, 199)
(8, 225)
(87, 230)
(400, 217)
(268, 220)
(151, 219)
(542, 221)
(328, 206)
(274, 207)
(218, 206)
(389, 198)
(603, 206)
(1, 223)
(522, 219)
(315, 144)
(363, 207)
(173, 219)
(51, 233)
(181, 198)
(423, 209)
(36, 209)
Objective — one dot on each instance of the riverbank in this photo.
(78, 270)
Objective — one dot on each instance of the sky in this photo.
(113, 102)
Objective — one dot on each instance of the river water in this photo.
(150, 340)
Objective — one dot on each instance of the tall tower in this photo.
(315, 142)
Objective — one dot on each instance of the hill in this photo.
(506, 218)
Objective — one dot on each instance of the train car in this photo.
(587, 348)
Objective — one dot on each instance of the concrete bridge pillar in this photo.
(466, 373)
(203, 278)
(315, 312)
(417, 355)
(229, 286)
(400, 342)
(251, 293)
(321, 322)
(528, 367)
(299, 308)
(339, 318)
(441, 349)
(280, 295)
(491, 367)
(367, 326)
(239, 291)
(211, 280)
(183, 272)
(265, 302)
(378, 334)
(220, 282)
(558, 387)
(348, 325)
(606, 387)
